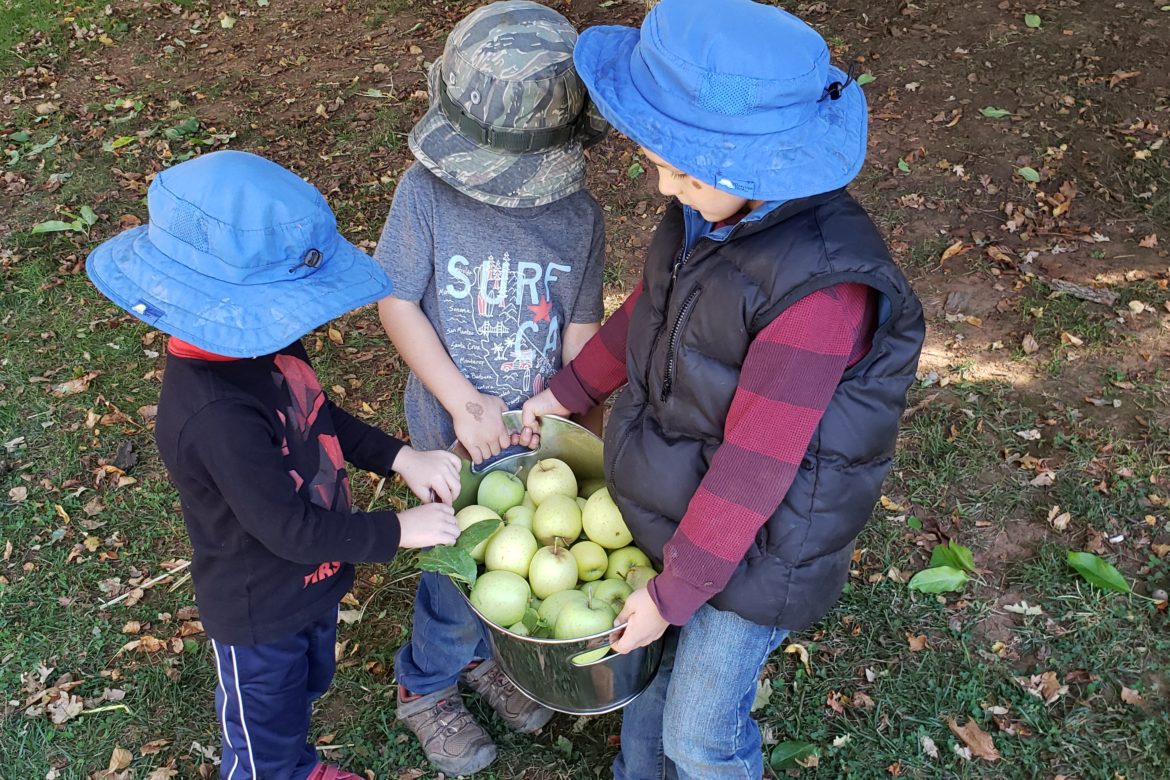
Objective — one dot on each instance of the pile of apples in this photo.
(562, 564)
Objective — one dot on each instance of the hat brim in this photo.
(823, 154)
(488, 175)
(235, 320)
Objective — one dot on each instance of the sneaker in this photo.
(330, 772)
(518, 711)
(450, 736)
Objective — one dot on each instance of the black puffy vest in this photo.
(689, 335)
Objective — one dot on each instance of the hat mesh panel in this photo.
(727, 94)
(190, 227)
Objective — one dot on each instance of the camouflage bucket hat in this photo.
(508, 115)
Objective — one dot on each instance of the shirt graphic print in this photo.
(329, 486)
(506, 318)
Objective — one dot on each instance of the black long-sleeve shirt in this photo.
(257, 451)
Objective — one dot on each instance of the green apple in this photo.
(557, 517)
(638, 576)
(519, 515)
(602, 522)
(552, 569)
(551, 607)
(551, 477)
(499, 491)
(468, 486)
(501, 597)
(590, 486)
(584, 618)
(510, 549)
(621, 561)
(581, 503)
(528, 502)
(519, 628)
(469, 516)
(614, 591)
(591, 560)
(589, 588)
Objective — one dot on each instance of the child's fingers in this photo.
(528, 415)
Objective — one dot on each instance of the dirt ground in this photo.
(1086, 97)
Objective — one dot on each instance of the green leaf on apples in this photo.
(473, 534)
(531, 620)
(790, 755)
(447, 559)
(1098, 571)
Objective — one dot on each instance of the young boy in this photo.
(766, 357)
(239, 260)
(496, 252)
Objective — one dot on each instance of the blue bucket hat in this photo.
(241, 257)
(737, 94)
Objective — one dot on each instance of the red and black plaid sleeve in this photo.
(788, 378)
(600, 368)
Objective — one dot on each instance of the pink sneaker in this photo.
(325, 771)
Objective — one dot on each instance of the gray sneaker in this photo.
(451, 738)
(518, 711)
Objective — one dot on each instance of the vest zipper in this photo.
(680, 260)
(672, 343)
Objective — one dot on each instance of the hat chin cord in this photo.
(834, 90)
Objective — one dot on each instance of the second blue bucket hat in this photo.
(241, 257)
(737, 94)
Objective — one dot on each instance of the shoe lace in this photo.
(450, 718)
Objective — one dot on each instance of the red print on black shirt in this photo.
(329, 487)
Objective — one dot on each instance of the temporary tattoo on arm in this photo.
(475, 410)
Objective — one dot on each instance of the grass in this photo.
(953, 477)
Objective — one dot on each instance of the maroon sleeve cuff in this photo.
(676, 599)
(566, 385)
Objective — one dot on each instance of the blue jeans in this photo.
(446, 636)
(694, 721)
(265, 698)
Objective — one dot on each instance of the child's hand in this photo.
(430, 474)
(427, 525)
(643, 622)
(534, 408)
(479, 426)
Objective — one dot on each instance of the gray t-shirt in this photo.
(498, 285)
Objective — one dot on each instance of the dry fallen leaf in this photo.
(1149, 242)
(1059, 520)
(18, 494)
(1046, 687)
(979, 741)
(74, 386)
(802, 653)
(916, 643)
(1131, 696)
(1029, 344)
(120, 759)
(929, 748)
(957, 248)
(154, 746)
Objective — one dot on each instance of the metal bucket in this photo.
(545, 669)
